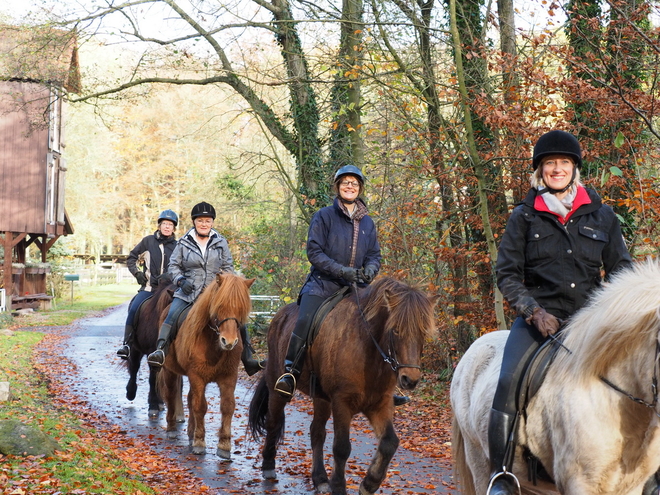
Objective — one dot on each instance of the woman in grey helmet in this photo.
(550, 258)
(154, 251)
(199, 255)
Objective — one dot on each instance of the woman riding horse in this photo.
(198, 257)
(342, 246)
(549, 260)
(156, 250)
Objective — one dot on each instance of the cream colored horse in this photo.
(591, 438)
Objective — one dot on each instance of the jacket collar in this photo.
(586, 201)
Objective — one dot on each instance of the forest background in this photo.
(252, 105)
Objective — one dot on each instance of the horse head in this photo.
(408, 320)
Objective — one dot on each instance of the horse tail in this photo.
(258, 410)
(462, 470)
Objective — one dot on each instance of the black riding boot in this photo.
(157, 358)
(500, 430)
(250, 364)
(125, 350)
(295, 355)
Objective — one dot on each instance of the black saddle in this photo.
(321, 313)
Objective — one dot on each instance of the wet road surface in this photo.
(92, 348)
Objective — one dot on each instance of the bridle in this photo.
(215, 324)
(654, 383)
(390, 357)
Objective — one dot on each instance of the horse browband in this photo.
(215, 324)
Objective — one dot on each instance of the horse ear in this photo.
(218, 278)
(434, 299)
(249, 282)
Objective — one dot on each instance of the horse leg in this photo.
(387, 445)
(197, 407)
(317, 434)
(168, 381)
(227, 388)
(178, 402)
(133, 367)
(341, 448)
(155, 402)
(274, 430)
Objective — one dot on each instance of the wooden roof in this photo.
(40, 54)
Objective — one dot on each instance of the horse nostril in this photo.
(407, 383)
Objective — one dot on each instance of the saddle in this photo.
(530, 384)
(315, 388)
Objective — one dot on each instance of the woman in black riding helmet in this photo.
(200, 254)
(550, 258)
(154, 252)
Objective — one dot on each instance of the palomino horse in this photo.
(144, 342)
(593, 424)
(207, 349)
(365, 346)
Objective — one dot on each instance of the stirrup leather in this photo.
(501, 474)
(286, 392)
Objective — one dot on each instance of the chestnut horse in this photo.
(594, 423)
(370, 342)
(207, 348)
(143, 343)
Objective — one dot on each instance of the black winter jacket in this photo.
(542, 262)
(156, 250)
(329, 248)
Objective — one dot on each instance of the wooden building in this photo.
(37, 67)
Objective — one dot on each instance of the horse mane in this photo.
(619, 319)
(228, 296)
(410, 309)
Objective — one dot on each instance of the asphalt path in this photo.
(92, 345)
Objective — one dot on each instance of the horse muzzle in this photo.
(408, 378)
(227, 345)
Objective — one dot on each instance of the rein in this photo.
(390, 357)
(654, 384)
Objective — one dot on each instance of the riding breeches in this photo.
(523, 342)
(135, 304)
(176, 308)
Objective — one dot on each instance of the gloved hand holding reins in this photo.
(545, 323)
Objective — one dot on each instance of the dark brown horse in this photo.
(207, 349)
(367, 345)
(144, 342)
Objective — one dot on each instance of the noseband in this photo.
(216, 324)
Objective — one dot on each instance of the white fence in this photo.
(3, 300)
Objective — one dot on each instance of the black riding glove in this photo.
(368, 274)
(186, 286)
(349, 274)
(141, 278)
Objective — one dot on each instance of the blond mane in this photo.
(619, 321)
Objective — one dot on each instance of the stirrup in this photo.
(285, 393)
(501, 474)
(154, 359)
(124, 351)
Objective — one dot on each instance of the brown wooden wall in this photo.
(30, 182)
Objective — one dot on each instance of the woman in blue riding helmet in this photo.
(343, 248)
(153, 252)
(199, 255)
(550, 258)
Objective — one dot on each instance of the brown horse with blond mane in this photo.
(208, 349)
(370, 342)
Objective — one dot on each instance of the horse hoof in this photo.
(171, 435)
(154, 413)
(363, 490)
(269, 474)
(199, 450)
(323, 488)
(131, 391)
(225, 454)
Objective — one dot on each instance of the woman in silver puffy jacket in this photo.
(199, 255)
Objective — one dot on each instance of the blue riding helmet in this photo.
(349, 170)
(168, 215)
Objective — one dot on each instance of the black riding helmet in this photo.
(202, 209)
(557, 143)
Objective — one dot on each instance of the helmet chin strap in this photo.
(346, 201)
(202, 235)
(558, 191)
